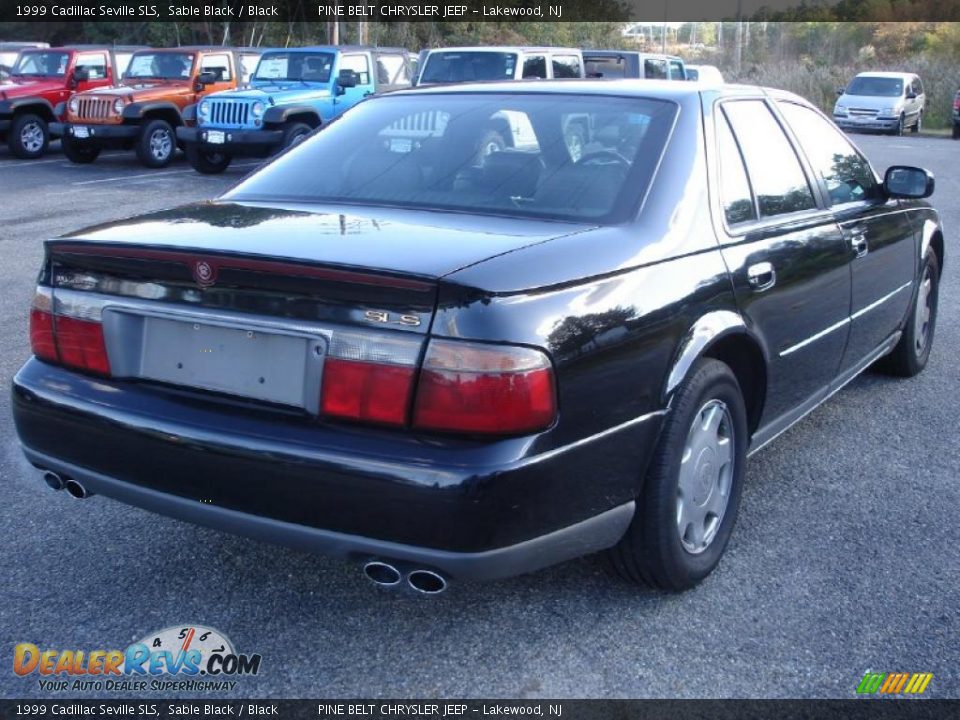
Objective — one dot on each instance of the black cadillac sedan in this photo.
(399, 344)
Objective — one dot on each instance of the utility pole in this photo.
(333, 32)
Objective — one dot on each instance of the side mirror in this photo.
(206, 77)
(347, 79)
(903, 181)
(841, 91)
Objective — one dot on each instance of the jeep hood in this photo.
(277, 93)
(25, 87)
(143, 91)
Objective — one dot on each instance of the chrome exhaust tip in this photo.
(427, 582)
(53, 480)
(382, 573)
(77, 490)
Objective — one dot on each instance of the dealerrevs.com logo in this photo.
(182, 657)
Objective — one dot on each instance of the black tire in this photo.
(917, 125)
(157, 144)
(29, 136)
(901, 126)
(909, 357)
(79, 153)
(651, 551)
(294, 133)
(207, 162)
(956, 131)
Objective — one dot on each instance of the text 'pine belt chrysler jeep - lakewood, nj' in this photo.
(41, 81)
(292, 92)
(144, 110)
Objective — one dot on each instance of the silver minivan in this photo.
(886, 101)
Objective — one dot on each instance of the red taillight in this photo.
(60, 338)
(467, 387)
(41, 335)
(81, 344)
(956, 102)
(366, 391)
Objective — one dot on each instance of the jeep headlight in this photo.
(204, 109)
(257, 109)
(118, 105)
(74, 104)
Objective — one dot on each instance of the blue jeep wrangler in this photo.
(292, 92)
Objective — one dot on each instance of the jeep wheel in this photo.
(78, 153)
(206, 162)
(294, 133)
(28, 138)
(157, 144)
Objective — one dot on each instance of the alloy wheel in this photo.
(922, 313)
(161, 144)
(31, 137)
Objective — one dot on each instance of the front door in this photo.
(360, 64)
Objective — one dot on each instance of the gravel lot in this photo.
(844, 560)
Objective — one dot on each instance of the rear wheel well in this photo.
(37, 109)
(745, 358)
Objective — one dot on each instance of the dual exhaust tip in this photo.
(421, 580)
(74, 488)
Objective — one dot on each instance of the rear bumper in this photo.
(236, 142)
(472, 510)
(97, 132)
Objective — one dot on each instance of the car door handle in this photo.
(858, 243)
(761, 276)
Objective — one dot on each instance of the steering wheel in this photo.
(603, 157)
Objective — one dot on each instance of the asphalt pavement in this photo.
(845, 558)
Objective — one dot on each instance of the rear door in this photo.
(788, 260)
(879, 236)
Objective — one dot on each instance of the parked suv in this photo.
(291, 93)
(886, 101)
(627, 64)
(469, 64)
(42, 79)
(143, 112)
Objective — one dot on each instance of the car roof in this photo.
(207, 48)
(665, 89)
(339, 48)
(885, 74)
(615, 53)
(505, 48)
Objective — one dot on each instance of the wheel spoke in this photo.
(712, 419)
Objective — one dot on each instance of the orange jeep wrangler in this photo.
(143, 112)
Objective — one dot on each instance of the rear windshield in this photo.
(562, 156)
(46, 64)
(876, 87)
(300, 66)
(454, 67)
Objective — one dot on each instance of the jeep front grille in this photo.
(229, 113)
(92, 108)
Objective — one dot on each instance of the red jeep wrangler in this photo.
(40, 82)
(143, 112)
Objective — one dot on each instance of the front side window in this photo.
(655, 69)
(566, 66)
(160, 66)
(468, 66)
(848, 177)
(46, 64)
(434, 152)
(535, 66)
(295, 67)
(775, 172)
(94, 63)
(359, 65)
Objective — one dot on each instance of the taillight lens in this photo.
(369, 377)
(474, 388)
(68, 340)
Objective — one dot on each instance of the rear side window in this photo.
(848, 177)
(393, 70)
(606, 67)
(655, 69)
(775, 172)
(359, 65)
(566, 66)
(676, 70)
(734, 187)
